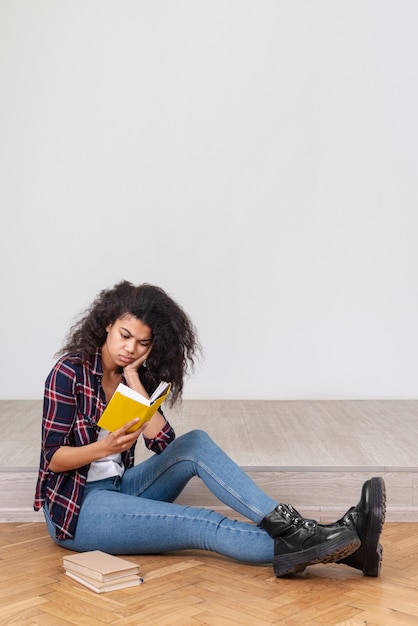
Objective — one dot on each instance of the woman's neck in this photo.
(109, 367)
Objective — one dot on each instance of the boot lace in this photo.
(349, 516)
(295, 518)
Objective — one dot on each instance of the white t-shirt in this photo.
(108, 466)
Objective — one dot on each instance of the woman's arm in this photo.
(158, 421)
(62, 452)
(67, 458)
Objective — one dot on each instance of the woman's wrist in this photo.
(134, 382)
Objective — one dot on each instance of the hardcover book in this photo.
(109, 585)
(99, 565)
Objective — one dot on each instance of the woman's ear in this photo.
(108, 327)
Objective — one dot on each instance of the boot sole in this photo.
(328, 552)
(368, 558)
(373, 551)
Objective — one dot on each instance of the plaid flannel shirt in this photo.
(73, 403)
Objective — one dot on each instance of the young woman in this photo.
(95, 498)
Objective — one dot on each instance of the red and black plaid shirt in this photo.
(73, 403)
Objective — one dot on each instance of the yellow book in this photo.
(127, 404)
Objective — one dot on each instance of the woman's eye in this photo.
(124, 336)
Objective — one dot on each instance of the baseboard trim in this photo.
(324, 494)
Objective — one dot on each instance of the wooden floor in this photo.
(192, 588)
(313, 454)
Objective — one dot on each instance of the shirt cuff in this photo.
(159, 443)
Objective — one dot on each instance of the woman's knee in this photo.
(195, 439)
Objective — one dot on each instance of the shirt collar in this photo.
(97, 367)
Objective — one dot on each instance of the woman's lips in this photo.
(125, 359)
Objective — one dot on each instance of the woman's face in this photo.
(128, 339)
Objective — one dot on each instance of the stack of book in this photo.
(101, 572)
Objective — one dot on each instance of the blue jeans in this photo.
(135, 514)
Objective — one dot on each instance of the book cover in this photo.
(127, 404)
(99, 565)
(110, 585)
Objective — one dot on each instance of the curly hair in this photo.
(175, 344)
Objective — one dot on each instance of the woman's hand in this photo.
(135, 365)
(120, 440)
(132, 376)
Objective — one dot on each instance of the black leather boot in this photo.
(367, 519)
(299, 542)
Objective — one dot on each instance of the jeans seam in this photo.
(233, 493)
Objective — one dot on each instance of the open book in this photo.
(127, 404)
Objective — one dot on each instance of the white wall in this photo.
(256, 158)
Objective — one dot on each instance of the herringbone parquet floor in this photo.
(196, 588)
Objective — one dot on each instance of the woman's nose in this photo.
(129, 346)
